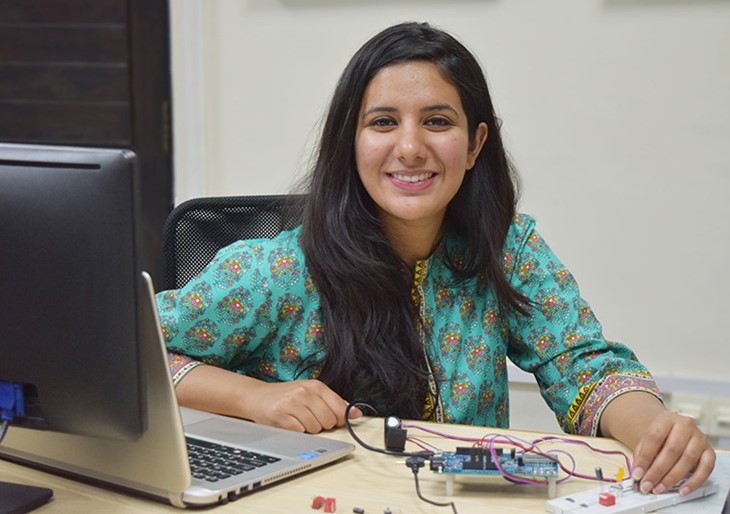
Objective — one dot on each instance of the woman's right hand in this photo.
(301, 405)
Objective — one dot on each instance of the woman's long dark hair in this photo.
(371, 334)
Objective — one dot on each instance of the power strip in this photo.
(622, 498)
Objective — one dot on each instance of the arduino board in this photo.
(480, 462)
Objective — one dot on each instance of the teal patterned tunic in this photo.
(255, 310)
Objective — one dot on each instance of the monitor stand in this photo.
(19, 498)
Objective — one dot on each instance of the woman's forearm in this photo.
(300, 405)
(627, 417)
(213, 389)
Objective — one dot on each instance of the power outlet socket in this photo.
(696, 407)
(719, 418)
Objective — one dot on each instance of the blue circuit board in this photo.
(479, 461)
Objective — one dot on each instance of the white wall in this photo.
(616, 112)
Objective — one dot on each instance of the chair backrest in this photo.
(196, 229)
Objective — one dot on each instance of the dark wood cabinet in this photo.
(93, 73)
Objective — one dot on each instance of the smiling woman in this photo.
(412, 151)
(411, 281)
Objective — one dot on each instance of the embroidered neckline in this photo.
(433, 409)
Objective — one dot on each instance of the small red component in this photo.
(318, 502)
(330, 505)
(606, 499)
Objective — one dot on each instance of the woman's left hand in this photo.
(672, 448)
(668, 447)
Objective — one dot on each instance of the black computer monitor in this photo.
(69, 271)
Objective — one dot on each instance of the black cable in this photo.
(415, 463)
(348, 425)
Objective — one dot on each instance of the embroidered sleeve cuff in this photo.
(180, 365)
(610, 387)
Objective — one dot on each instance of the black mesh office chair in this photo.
(196, 229)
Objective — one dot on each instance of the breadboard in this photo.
(626, 498)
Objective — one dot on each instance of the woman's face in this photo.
(412, 144)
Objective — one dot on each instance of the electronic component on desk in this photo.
(395, 434)
(477, 461)
(622, 498)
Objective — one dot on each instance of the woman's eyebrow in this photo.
(378, 109)
(430, 108)
(440, 107)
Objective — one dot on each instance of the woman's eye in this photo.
(382, 122)
(438, 122)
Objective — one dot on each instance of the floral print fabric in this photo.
(255, 310)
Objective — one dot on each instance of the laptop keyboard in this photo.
(213, 462)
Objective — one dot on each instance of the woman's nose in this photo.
(410, 147)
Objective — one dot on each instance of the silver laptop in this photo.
(157, 464)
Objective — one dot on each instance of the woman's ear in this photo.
(480, 137)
